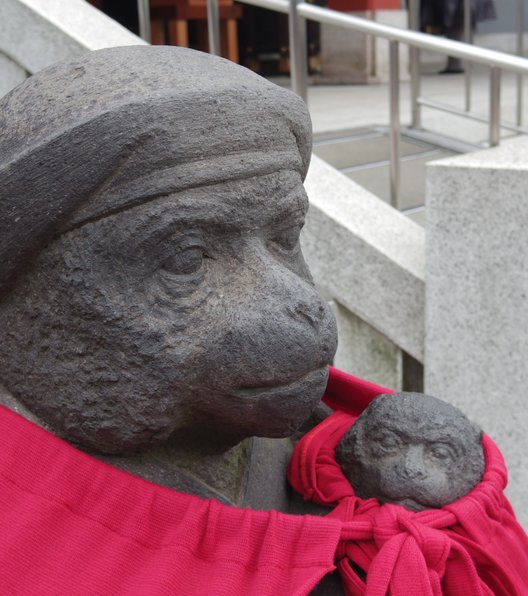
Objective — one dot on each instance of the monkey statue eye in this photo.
(185, 261)
(288, 238)
(388, 442)
(441, 452)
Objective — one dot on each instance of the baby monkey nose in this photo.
(414, 464)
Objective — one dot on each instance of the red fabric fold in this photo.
(473, 546)
(72, 525)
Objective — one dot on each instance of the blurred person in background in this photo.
(446, 17)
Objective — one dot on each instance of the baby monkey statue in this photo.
(412, 450)
(419, 490)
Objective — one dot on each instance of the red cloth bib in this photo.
(472, 547)
(71, 525)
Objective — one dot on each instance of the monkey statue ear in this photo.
(479, 433)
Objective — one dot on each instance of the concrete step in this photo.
(375, 177)
(363, 156)
(368, 147)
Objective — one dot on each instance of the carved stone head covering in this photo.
(120, 126)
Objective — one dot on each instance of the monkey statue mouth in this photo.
(296, 386)
(281, 409)
(409, 503)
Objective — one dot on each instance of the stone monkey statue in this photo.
(155, 307)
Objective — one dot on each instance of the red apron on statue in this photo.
(72, 525)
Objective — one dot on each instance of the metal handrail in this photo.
(299, 11)
(415, 24)
(414, 38)
(143, 9)
(496, 61)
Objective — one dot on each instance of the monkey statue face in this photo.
(412, 450)
(167, 298)
(196, 308)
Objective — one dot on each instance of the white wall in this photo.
(37, 33)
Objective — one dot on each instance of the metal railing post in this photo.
(468, 38)
(495, 91)
(143, 8)
(414, 66)
(298, 51)
(213, 27)
(520, 52)
(394, 85)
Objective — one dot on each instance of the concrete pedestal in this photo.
(477, 296)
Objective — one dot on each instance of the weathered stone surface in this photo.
(152, 287)
(364, 352)
(477, 288)
(413, 450)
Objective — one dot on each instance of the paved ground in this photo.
(349, 106)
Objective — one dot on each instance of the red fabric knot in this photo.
(408, 550)
(401, 555)
(473, 546)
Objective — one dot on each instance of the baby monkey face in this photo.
(416, 469)
(412, 450)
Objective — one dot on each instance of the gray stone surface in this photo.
(37, 33)
(364, 352)
(11, 74)
(366, 255)
(153, 294)
(477, 288)
(413, 450)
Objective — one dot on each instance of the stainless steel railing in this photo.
(414, 24)
(299, 11)
(143, 9)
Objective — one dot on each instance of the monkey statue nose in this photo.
(314, 312)
(414, 465)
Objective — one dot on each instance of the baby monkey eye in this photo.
(387, 442)
(441, 452)
(185, 261)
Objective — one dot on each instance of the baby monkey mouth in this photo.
(315, 376)
(408, 502)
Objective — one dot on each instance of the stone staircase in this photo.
(363, 155)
